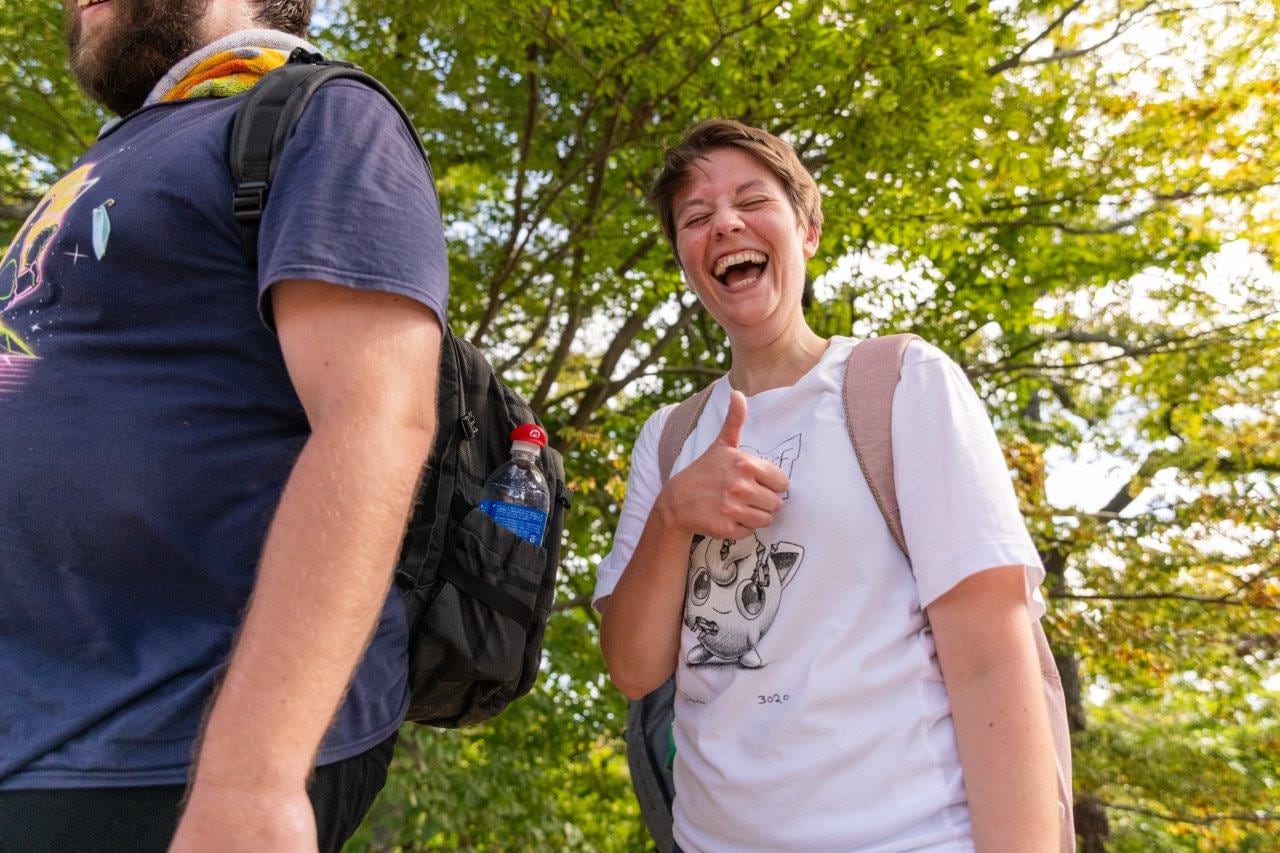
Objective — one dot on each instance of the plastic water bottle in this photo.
(516, 495)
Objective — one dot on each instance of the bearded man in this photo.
(209, 463)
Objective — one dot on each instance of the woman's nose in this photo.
(726, 221)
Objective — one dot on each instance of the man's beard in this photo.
(127, 57)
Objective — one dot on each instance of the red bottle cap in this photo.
(530, 433)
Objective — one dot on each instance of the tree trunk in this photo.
(1092, 829)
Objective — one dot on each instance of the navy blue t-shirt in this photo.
(150, 425)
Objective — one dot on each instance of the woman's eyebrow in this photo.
(754, 183)
(685, 205)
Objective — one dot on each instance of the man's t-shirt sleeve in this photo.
(960, 514)
(352, 204)
(643, 486)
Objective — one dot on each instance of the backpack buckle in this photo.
(469, 428)
(249, 200)
(302, 56)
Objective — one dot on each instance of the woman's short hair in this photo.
(771, 152)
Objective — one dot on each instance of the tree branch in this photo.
(1016, 58)
(1127, 350)
(568, 49)
(493, 303)
(534, 336)
(1126, 494)
(598, 394)
(687, 313)
(1198, 820)
(592, 208)
(722, 36)
(567, 335)
(1165, 596)
(686, 370)
(1157, 201)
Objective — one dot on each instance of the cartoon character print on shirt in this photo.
(22, 273)
(734, 586)
(784, 455)
(732, 595)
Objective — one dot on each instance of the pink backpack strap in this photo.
(871, 376)
(1056, 701)
(678, 428)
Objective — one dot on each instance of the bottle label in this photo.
(524, 521)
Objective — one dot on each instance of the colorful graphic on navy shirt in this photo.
(153, 430)
(22, 275)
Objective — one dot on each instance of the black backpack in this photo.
(476, 595)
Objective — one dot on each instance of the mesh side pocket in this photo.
(468, 654)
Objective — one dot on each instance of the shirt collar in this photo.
(270, 39)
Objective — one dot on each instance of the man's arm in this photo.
(982, 632)
(364, 366)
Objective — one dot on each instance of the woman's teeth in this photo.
(746, 257)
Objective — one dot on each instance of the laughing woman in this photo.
(829, 694)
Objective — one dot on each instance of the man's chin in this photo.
(121, 93)
(121, 48)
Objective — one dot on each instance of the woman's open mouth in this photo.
(740, 269)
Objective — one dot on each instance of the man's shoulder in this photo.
(351, 127)
(344, 105)
(349, 90)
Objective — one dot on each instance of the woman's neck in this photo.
(777, 363)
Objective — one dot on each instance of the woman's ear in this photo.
(812, 235)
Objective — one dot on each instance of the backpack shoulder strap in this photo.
(678, 428)
(265, 119)
(870, 378)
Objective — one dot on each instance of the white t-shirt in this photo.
(810, 712)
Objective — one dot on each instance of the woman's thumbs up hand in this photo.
(725, 493)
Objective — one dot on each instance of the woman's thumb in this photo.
(734, 420)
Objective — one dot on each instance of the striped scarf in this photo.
(226, 73)
(228, 66)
